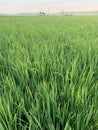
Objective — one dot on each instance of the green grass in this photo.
(49, 73)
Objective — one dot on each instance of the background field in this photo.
(49, 73)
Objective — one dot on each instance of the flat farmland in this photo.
(49, 73)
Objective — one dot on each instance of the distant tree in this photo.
(41, 13)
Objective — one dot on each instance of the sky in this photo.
(29, 6)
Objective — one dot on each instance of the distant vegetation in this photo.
(42, 13)
(49, 73)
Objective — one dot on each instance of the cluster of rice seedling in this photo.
(49, 73)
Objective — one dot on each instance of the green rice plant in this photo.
(49, 73)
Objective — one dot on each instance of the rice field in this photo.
(49, 73)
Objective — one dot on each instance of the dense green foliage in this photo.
(49, 73)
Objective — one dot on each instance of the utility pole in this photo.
(48, 11)
(62, 12)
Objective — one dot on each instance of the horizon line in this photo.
(62, 11)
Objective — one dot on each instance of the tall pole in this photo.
(48, 11)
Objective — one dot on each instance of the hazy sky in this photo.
(16, 6)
